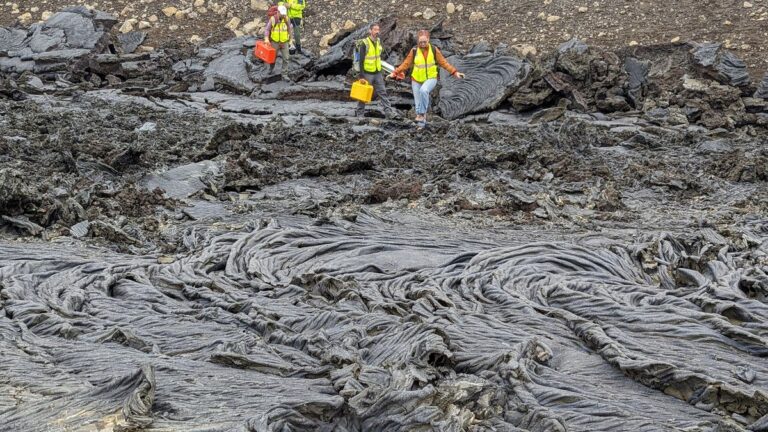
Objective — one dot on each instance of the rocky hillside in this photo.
(531, 25)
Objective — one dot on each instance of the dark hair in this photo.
(374, 24)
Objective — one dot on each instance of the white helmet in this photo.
(282, 10)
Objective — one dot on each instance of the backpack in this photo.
(272, 11)
(356, 55)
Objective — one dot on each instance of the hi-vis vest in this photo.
(296, 8)
(424, 68)
(279, 31)
(372, 61)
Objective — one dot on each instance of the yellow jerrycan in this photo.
(361, 91)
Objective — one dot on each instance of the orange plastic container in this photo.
(265, 52)
(361, 91)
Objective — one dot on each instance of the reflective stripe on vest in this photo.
(424, 69)
(372, 61)
(279, 31)
(296, 8)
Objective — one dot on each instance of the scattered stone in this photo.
(180, 15)
(25, 18)
(233, 24)
(80, 229)
(553, 18)
(195, 39)
(429, 13)
(170, 11)
(633, 43)
(460, 7)
(524, 49)
(152, 18)
(583, 9)
(127, 27)
(252, 27)
(450, 8)
(747, 5)
(325, 39)
(143, 25)
(477, 16)
(199, 3)
(675, 39)
(259, 5)
(349, 25)
(173, 27)
(45, 15)
(147, 127)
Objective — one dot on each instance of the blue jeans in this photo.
(421, 93)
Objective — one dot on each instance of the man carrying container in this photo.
(425, 59)
(370, 70)
(278, 33)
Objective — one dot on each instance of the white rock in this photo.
(126, 27)
(747, 4)
(45, 15)
(170, 11)
(34, 9)
(525, 49)
(25, 18)
(460, 7)
(195, 39)
(633, 43)
(252, 27)
(238, 33)
(233, 24)
(173, 27)
(144, 25)
(450, 8)
(199, 3)
(349, 25)
(542, 16)
(429, 13)
(583, 9)
(675, 39)
(553, 18)
(152, 18)
(325, 39)
(259, 5)
(477, 16)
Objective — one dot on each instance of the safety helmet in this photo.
(282, 10)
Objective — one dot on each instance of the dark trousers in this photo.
(296, 22)
(379, 91)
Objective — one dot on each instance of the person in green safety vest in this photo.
(425, 59)
(370, 52)
(296, 14)
(278, 34)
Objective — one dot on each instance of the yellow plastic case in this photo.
(361, 91)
